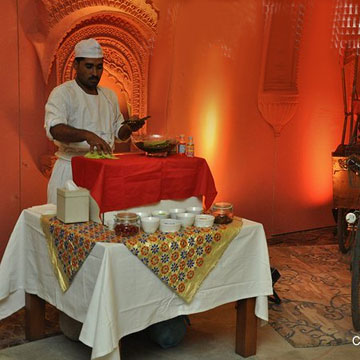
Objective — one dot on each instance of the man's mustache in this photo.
(93, 78)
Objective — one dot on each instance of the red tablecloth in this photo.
(135, 180)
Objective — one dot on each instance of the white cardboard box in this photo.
(73, 205)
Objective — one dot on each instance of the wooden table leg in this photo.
(34, 317)
(246, 328)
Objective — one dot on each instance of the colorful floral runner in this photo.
(181, 260)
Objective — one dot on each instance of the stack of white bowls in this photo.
(178, 217)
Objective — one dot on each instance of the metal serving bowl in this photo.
(154, 145)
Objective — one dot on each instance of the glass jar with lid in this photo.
(126, 224)
(223, 212)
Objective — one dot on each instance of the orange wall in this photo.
(10, 119)
(21, 116)
(204, 83)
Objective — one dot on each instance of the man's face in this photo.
(89, 71)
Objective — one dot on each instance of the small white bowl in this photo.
(142, 214)
(187, 219)
(194, 209)
(169, 225)
(150, 224)
(161, 214)
(174, 212)
(204, 220)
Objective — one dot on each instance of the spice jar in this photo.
(126, 224)
(223, 212)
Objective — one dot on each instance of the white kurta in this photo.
(69, 104)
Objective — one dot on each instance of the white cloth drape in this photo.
(114, 294)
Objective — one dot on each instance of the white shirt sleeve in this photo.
(55, 110)
(118, 118)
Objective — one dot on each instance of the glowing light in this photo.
(316, 161)
(209, 130)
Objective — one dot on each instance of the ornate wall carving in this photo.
(139, 9)
(278, 91)
(126, 56)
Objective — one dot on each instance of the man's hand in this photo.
(97, 143)
(135, 123)
(68, 134)
(131, 125)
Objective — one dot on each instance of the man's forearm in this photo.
(68, 134)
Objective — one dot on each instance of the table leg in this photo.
(34, 317)
(246, 328)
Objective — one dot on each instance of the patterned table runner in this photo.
(182, 260)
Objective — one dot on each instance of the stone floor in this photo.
(211, 336)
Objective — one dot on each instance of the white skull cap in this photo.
(88, 48)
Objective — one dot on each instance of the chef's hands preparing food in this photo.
(97, 143)
(68, 134)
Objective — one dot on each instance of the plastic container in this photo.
(223, 212)
(126, 224)
(182, 145)
(190, 147)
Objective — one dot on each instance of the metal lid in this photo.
(222, 206)
(126, 216)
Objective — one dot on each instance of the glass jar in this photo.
(126, 224)
(223, 212)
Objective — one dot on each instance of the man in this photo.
(82, 116)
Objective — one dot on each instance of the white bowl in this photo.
(161, 214)
(150, 224)
(204, 220)
(187, 219)
(194, 209)
(169, 225)
(174, 212)
(142, 214)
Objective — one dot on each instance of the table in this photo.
(134, 180)
(114, 294)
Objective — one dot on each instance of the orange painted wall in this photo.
(21, 116)
(32, 98)
(204, 83)
(10, 122)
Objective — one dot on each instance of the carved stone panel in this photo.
(278, 91)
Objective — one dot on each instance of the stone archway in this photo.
(126, 56)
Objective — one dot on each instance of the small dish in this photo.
(161, 214)
(150, 224)
(194, 209)
(174, 212)
(204, 220)
(169, 225)
(187, 219)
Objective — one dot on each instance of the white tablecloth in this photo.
(114, 294)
